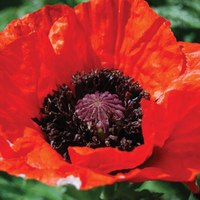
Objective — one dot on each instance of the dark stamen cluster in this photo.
(63, 127)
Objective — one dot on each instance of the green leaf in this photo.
(170, 190)
(6, 16)
(193, 5)
(92, 194)
(193, 197)
(12, 187)
(73, 3)
(127, 191)
(179, 16)
(198, 181)
(184, 16)
(17, 188)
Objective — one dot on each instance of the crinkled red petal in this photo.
(130, 36)
(192, 54)
(42, 19)
(73, 48)
(32, 157)
(116, 34)
(27, 65)
(179, 156)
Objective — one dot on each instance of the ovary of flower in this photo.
(99, 107)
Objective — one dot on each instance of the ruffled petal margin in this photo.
(48, 45)
(130, 36)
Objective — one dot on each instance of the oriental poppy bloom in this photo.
(47, 47)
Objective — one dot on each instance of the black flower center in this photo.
(104, 111)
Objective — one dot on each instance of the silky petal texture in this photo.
(42, 19)
(125, 35)
(25, 72)
(181, 149)
(185, 112)
(108, 158)
(192, 54)
(35, 159)
(73, 48)
(46, 47)
(178, 159)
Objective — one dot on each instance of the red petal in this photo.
(130, 36)
(33, 158)
(73, 48)
(192, 185)
(42, 19)
(23, 81)
(22, 64)
(179, 157)
(155, 121)
(106, 160)
(192, 53)
(123, 34)
(99, 20)
(5, 149)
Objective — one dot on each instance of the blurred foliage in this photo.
(16, 188)
(13, 9)
(184, 15)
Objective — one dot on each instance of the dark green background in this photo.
(183, 14)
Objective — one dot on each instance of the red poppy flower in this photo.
(46, 47)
